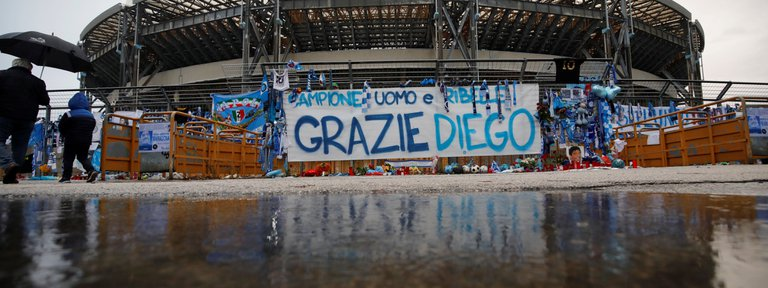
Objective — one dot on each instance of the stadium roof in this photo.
(176, 33)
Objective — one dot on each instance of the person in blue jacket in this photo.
(76, 126)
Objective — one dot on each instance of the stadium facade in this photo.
(171, 42)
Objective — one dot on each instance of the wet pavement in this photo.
(747, 180)
(530, 239)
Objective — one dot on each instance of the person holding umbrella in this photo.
(21, 94)
(45, 50)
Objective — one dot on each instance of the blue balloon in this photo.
(599, 91)
(612, 92)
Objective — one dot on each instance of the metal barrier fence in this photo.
(695, 137)
(384, 74)
(387, 74)
(166, 98)
(198, 148)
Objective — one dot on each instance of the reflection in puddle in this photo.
(481, 239)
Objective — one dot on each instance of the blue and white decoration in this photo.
(628, 114)
(243, 110)
(366, 97)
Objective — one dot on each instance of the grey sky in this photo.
(736, 33)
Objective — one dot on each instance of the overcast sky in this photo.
(736, 33)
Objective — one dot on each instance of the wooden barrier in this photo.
(120, 145)
(198, 148)
(697, 138)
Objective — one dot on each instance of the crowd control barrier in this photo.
(697, 136)
(196, 147)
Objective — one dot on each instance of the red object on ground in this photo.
(634, 164)
(401, 171)
(310, 173)
(323, 167)
(351, 171)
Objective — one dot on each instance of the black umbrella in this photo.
(45, 50)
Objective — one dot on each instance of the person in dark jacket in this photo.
(21, 95)
(76, 126)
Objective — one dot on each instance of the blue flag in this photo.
(264, 83)
(243, 110)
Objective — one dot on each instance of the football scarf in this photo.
(514, 92)
(507, 96)
(445, 96)
(484, 92)
(367, 99)
(498, 105)
(264, 83)
(474, 100)
(498, 102)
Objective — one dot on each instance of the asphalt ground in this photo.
(718, 180)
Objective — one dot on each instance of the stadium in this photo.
(407, 74)
(193, 48)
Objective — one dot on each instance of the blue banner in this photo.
(243, 110)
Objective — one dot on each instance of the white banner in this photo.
(411, 123)
(154, 137)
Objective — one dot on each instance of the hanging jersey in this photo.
(568, 70)
(280, 80)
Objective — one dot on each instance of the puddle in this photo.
(398, 240)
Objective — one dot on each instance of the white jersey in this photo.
(280, 80)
